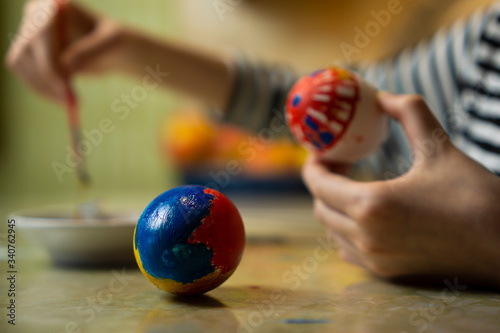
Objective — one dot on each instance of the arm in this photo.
(206, 76)
(249, 94)
(98, 45)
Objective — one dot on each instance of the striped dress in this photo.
(457, 71)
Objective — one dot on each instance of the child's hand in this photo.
(38, 55)
(441, 218)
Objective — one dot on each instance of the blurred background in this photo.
(135, 160)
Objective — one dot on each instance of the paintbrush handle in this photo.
(74, 125)
(72, 104)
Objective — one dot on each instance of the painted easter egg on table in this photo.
(335, 114)
(189, 240)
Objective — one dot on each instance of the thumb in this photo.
(84, 54)
(415, 116)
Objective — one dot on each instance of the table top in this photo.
(288, 281)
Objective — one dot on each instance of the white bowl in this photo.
(77, 241)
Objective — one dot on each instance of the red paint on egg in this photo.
(223, 232)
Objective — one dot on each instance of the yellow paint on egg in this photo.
(172, 286)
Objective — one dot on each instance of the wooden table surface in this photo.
(290, 280)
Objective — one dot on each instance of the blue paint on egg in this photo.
(311, 123)
(326, 137)
(163, 247)
(296, 100)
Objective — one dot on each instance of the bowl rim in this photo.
(39, 218)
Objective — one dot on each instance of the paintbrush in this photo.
(72, 104)
(74, 125)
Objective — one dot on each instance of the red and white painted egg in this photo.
(334, 113)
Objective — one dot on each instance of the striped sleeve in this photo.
(259, 94)
(458, 73)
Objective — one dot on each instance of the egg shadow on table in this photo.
(190, 314)
(202, 301)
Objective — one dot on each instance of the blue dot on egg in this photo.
(296, 100)
(311, 123)
(326, 137)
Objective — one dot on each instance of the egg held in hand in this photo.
(189, 240)
(335, 114)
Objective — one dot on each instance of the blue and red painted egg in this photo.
(189, 240)
(335, 114)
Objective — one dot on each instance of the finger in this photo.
(415, 116)
(47, 69)
(334, 220)
(86, 19)
(338, 192)
(347, 251)
(26, 71)
(86, 52)
(21, 41)
(16, 53)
